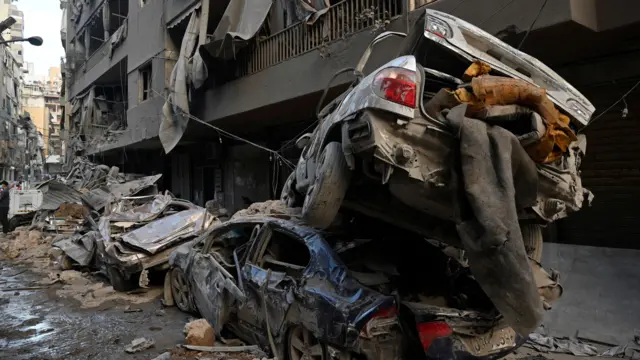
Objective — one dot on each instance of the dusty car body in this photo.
(280, 284)
(382, 128)
(135, 236)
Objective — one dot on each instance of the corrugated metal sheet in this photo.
(611, 170)
(55, 193)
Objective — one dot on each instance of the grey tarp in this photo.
(496, 178)
(175, 112)
(241, 21)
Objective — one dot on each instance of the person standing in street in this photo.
(4, 206)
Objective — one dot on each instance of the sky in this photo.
(42, 18)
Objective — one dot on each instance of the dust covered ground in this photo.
(48, 314)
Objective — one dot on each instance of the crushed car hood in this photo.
(164, 232)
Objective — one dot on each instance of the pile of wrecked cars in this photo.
(412, 223)
(128, 228)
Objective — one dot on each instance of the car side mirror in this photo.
(303, 141)
(372, 44)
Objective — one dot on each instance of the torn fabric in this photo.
(487, 90)
(240, 22)
(176, 108)
(496, 179)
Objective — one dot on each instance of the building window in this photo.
(144, 82)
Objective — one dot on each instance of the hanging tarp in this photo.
(240, 22)
(176, 108)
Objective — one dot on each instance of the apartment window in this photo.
(144, 82)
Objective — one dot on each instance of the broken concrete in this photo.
(199, 333)
(139, 344)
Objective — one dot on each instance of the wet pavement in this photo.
(37, 324)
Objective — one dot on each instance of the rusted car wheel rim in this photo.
(180, 290)
(303, 345)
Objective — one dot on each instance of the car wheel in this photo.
(303, 345)
(290, 195)
(180, 290)
(14, 223)
(118, 280)
(532, 237)
(324, 197)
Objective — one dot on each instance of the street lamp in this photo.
(7, 23)
(34, 40)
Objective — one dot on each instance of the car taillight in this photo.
(397, 85)
(430, 331)
(380, 323)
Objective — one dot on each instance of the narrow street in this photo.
(38, 324)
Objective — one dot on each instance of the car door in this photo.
(215, 288)
(272, 290)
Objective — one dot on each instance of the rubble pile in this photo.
(25, 245)
(90, 293)
(85, 175)
(101, 219)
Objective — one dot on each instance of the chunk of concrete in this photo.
(139, 344)
(199, 333)
(163, 356)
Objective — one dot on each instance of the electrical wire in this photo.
(497, 12)
(544, 3)
(275, 153)
(622, 98)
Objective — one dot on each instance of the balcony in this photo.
(341, 20)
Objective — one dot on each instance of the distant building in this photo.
(41, 99)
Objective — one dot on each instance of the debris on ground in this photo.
(91, 293)
(199, 333)
(139, 344)
(577, 346)
(163, 356)
(26, 245)
(274, 208)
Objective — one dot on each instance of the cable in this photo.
(496, 13)
(544, 3)
(232, 136)
(456, 7)
(622, 98)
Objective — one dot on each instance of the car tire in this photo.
(180, 290)
(118, 281)
(290, 196)
(532, 237)
(301, 344)
(14, 223)
(324, 197)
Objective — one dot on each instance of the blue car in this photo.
(286, 287)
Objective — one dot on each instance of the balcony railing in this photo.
(342, 19)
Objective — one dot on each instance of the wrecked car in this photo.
(134, 236)
(390, 128)
(303, 293)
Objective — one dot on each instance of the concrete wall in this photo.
(145, 39)
(601, 299)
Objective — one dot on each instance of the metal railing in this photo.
(340, 20)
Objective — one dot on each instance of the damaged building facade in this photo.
(258, 72)
(19, 138)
